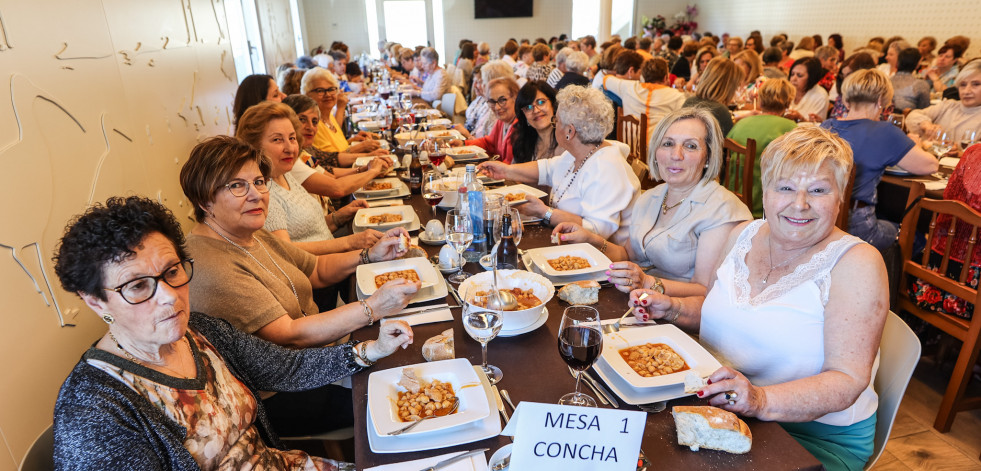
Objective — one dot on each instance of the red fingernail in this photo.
(645, 317)
(700, 394)
(709, 381)
(645, 302)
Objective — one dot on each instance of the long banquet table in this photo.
(533, 371)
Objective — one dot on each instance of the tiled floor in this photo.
(915, 445)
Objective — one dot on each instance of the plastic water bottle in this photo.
(475, 200)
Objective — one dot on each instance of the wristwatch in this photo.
(547, 218)
(658, 285)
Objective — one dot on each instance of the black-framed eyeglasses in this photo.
(324, 91)
(539, 103)
(141, 289)
(502, 101)
(240, 188)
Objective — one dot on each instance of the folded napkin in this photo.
(935, 185)
(474, 463)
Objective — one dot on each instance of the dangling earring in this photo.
(108, 318)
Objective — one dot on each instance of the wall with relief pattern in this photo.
(102, 97)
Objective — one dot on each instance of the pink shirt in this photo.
(497, 142)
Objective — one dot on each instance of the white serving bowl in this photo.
(513, 320)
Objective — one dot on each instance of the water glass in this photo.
(483, 324)
(459, 234)
(943, 142)
(580, 343)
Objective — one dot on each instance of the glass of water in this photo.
(483, 324)
(459, 234)
(943, 142)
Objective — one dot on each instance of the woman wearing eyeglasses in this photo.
(500, 98)
(323, 87)
(534, 133)
(264, 285)
(166, 388)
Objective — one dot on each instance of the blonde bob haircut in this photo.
(314, 74)
(712, 144)
(719, 81)
(867, 86)
(252, 125)
(806, 149)
(776, 94)
(752, 59)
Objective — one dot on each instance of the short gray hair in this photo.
(495, 69)
(713, 140)
(429, 54)
(562, 55)
(576, 62)
(969, 69)
(587, 110)
(315, 74)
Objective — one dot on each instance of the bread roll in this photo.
(439, 347)
(415, 251)
(693, 382)
(712, 428)
(580, 292)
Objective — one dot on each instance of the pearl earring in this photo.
(108, 318)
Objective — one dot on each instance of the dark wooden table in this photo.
(533, 371)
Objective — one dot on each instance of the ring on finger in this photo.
(732, 397)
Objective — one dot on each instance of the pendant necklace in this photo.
(292, 287)
(553, 202)
(133, 359)
(782, 264)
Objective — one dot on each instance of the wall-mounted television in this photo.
(503, 8)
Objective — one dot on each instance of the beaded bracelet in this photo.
(606, 244)
(364, 257)
(362, 352)
(368, 312)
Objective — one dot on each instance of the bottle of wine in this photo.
(415, 172)
(507, 252)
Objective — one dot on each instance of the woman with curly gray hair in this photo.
(592, 184)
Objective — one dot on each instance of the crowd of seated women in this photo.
(222, 340)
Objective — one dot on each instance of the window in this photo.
(243, 32)
(371, 15)
(585, 18)
(406, 22)
(621, 20)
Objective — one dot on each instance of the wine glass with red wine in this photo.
(431, 190)
(580, 343)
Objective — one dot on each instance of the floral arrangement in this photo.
(684, 23)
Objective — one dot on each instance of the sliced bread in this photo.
(580, 292)
(712, 428)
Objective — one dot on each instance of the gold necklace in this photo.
(769, 248)
(129, 356)
(664, 204)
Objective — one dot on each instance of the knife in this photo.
(597, 392)
(452, 291)
(422, 310)
(500, 404)
(454, 459)
(602, 389)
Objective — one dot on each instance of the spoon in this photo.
(615, 327)
(502, 465)
(501, 301)
(456, 405)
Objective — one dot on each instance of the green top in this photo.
(764, 129)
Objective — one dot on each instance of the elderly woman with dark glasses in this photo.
(500, 98)
(167, 388)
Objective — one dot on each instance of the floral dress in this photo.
(965, 186)
(218, 411)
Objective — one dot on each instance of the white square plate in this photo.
(597, 261)
(396, 184)
(698, 359)
(401, 192)
(428, 275)
(519, 188)
(361, 217)
(464, 152)
(383, 392)
(362, 161)
(485, 428)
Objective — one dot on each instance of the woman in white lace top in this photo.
(795, 308)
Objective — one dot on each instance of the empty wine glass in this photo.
(968, 138)
(943, 142)
(580, 342)
(483, 324)
(517, 227)
(897, 120)
(459, 234)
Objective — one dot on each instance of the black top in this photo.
(572, 78)
(682, 69)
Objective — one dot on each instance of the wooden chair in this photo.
(737, 169)
(846, 204)
(967, 331)
(633, 132)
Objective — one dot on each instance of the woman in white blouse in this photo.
(679, 227)
(795, 307)
(592, 184)
(811, 102)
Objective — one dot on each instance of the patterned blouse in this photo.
(218, 412)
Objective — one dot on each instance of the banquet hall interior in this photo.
(108, 97)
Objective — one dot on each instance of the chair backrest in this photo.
(447, 104)
(846, 203)
(737, 169)
(40, 457)
(899, 352)
(632, 131)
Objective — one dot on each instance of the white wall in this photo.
(327, 21)
(137, 83)
(551, 18)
